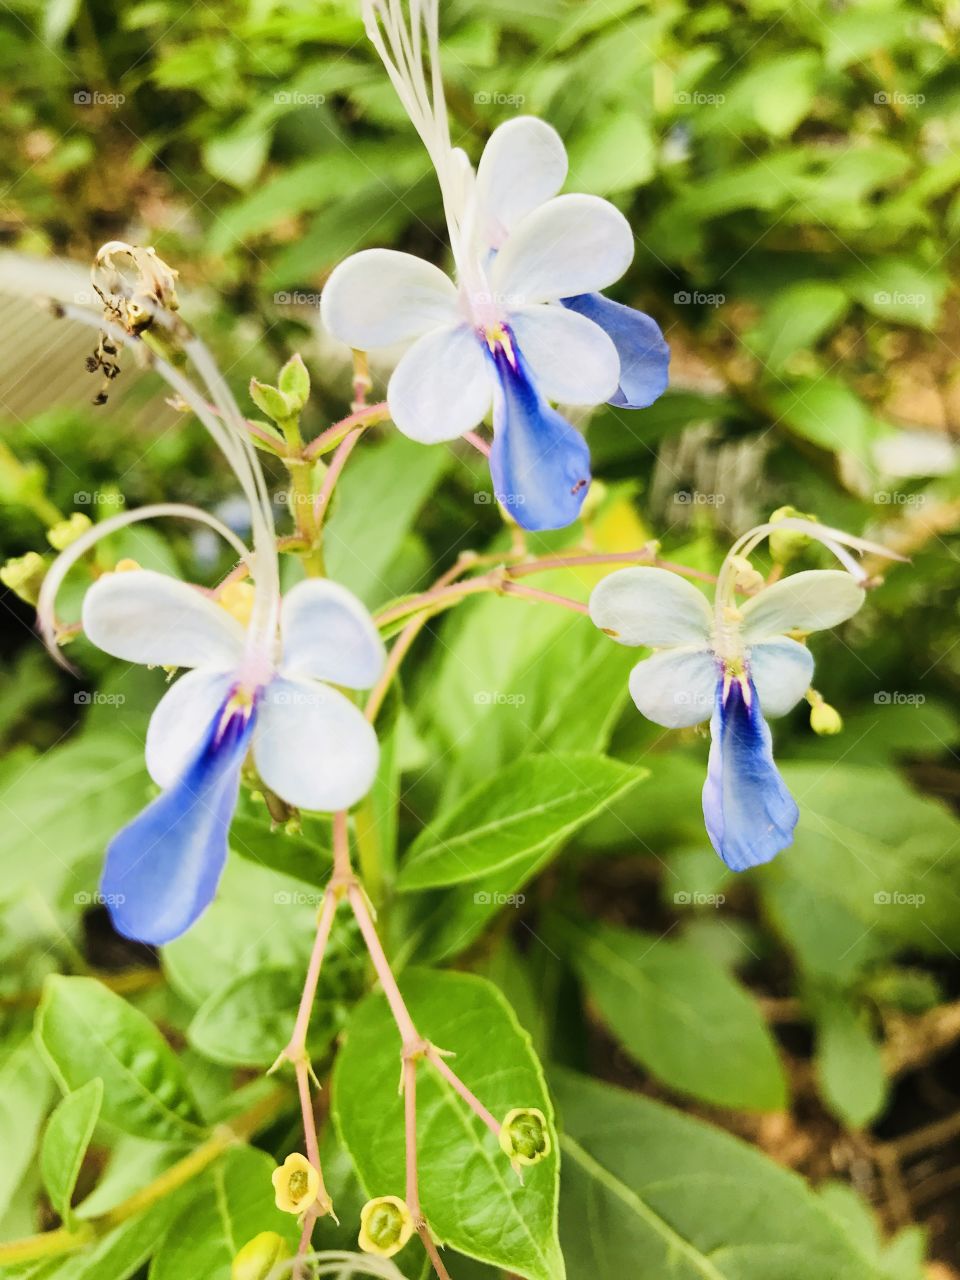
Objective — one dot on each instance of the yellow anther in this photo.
(237, 598)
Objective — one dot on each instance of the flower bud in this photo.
(786, 543)
(269, 400)
(294, 381)
(746, 579)
(386, 1224)
(295, 1184)
(24, 576)
(524, 1136)
(824, 719)
(127, 565)
(64, 532)
(237, 598)
(259, 1256)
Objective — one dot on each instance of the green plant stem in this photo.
(64, 1241)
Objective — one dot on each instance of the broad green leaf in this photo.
(901, 291)
(796, 319)
(24, 1093)
(258, 919)
(614, 152)
(869, 842)
(65, 1143)
(247, 1022)
(304, 854)
(514, 816)
(66, 806)
(679, 1014)
(231, 1205)
(829, 414)
(848, 1060)
(86, 1031)
(650, 1192)
(394, 480)
(471, 1198)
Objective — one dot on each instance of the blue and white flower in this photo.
(733, 665)
(524, 323)
(262, 680)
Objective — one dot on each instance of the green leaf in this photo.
(65, 1143)
(86, 1031)
(901, 291)
(247, 1022)
(830, 415)
(516, 815)
(471, 1198)
(848, 1060)
(869, 842)
(24, 1092)
(650, 1192)
(796, 319)
(679, 1014)
(230, 1206)
(394, 480)
(67, 806)
(614, 152)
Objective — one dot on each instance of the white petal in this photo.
(329, 635)
(575, 363)
(380, 296)
(572, 244)
(807, 601)
(676, 688)
(313, 747)
(441, 387)
(782, 670)
(181, 719)
(151, 618)
(644, 605)
(523, 164)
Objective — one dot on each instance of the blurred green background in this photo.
(792, 175)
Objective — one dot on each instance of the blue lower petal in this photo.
(644, 354)
(749, 813)
(539, 463)
(163, 868)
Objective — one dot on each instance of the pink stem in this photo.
(401, 1015)
(337, 463)
(412, 1196)
(362, 418)
(268, 438)
(399, 651)
(621, 557)
(341, 847)
(324, 924)
(478, 442)
(534, 593)
(471, 1099)
(440, 597)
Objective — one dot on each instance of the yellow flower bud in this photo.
(386, 1224)
(746, 578)
(126, 565)
(237, 599)
(24, 576)
(825, 719)
(295, 1184)
(259, 1256)
(525, 1136)
(64, 532)
(785, 544)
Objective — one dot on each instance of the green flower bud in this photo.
(524, 1136)
(64, 532)
(275, 404)
(259, 1256)
(24, 576)
(824, 719)
(386, 1224)
(788, 543)
(294, 381)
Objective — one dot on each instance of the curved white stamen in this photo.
(46, 604)
(835, 540)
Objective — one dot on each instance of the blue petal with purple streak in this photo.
(749, 813)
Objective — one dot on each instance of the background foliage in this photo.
(791, 172)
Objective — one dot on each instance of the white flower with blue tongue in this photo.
(524, 324)
(262, 682)
(733, 665)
